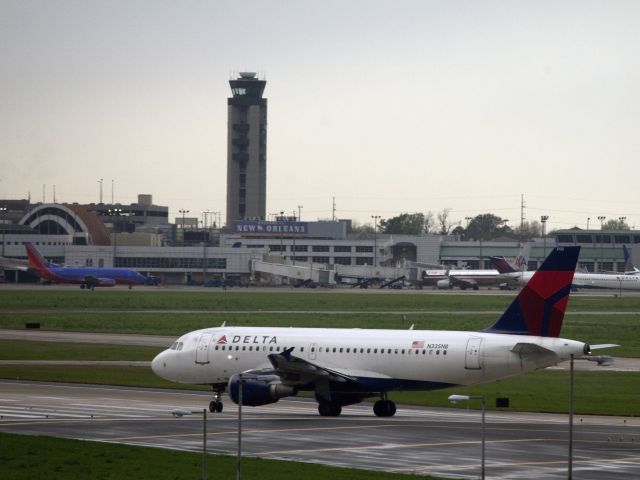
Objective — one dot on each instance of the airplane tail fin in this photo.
(517, 264)
(628, 261)
(540, 306)
(36, 260)
(502, 265)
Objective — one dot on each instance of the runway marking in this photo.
(490, 464)
(398, 445)
(248, 431)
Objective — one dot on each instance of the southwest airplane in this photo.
(345, 366)
(87, 277)
(629, 280)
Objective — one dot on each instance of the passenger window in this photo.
(271, 349)
(437, 352)
(417, 351)
(334, 349)
(302, 349)
(216, 348)
(348, 350)
(403, 351)
(368, 350)
(251, 348)
(375, 350)
(396, 351)
(237, 348)
(341, 350)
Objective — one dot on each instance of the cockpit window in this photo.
(177, 345)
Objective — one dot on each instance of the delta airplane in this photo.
(87, 277)
(629, 280)
(345, 366)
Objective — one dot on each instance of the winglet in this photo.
(287, 353)
(540, 306)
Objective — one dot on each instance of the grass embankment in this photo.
(30, 458)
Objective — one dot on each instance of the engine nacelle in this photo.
(444, 284)
(106, 282)
(258, 390)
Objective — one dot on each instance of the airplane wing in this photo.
(292, 370)
(463, 282)
(94, 281)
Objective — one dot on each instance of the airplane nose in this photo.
(159, 364)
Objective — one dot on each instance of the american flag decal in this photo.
(417, 344)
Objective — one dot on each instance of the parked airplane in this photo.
(463, 279)
(344, 367)
(614, 281)
(87, 277)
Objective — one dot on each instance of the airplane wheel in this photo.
(328, 409)
(215, 407)
(82, 286)
(384, 408)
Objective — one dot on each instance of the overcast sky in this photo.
(388, 106)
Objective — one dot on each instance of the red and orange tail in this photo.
(539, 308)
(36, 260)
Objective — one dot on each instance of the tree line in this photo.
(485, 226)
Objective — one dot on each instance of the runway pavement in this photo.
(444, 442)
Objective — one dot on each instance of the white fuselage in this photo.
(413, 358)
(612, 281)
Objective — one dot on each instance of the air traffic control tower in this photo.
(246, 149)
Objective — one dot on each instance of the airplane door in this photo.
(202, 351)
(313, 348)
(472, 355)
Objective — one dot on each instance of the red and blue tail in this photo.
(539, 308)
(36, 260)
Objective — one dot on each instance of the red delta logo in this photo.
(222, 340)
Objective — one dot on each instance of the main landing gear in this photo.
(384, 407)
(215, 406)
(329, 409)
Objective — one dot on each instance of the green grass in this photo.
(241, 299)
(32, 458)
(30, 350)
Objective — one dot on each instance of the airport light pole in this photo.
(570, 462)
(299, 213)
(3, 211)
(181, 412)
(183, 211)
(602, 218)
(588, 218)
(543, 221)
(281, 235)
(239, 459)
(464, 398)
(375, 240)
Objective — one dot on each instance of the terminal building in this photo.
(285, 251)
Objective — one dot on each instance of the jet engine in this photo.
(444, 284)
(258, 389)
